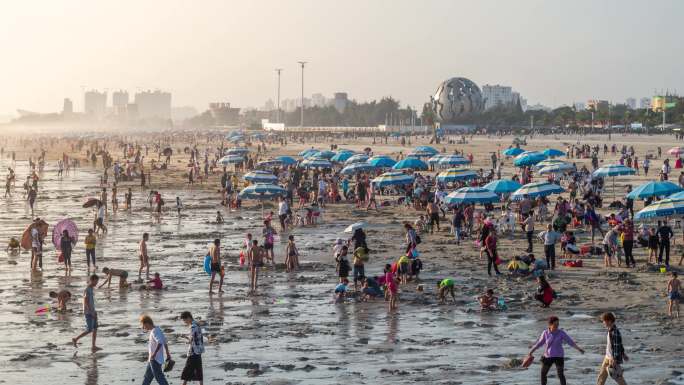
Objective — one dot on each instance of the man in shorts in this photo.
(215, 254)
(89, 313)
(144, 257)
(269, 237)
(256, 261)
(433, 214)
(122, 274)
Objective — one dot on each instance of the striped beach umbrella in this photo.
(357, 168)
(410, 163)
(393, 179)
(502, 186)
(528, 158)
(557, 168)
(613, 170)
(547, 162)
(262, 191)
(259, 176)
(537, 189)
(452, 160)
(467, 195)
(513, 151)
(316, 163)
(663, 208)
(307, 151)
(231, 159)
(237, 151)
(382, 161)
(358, 158)
(269, 164)
(455, 174)
(325, 154)
(342, 156)
(420, 154)
(654, 189)
(431, 150)
(435, 159)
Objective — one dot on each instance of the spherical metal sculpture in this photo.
(455, 98)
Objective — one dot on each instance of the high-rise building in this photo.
(497, 95)
(579, 106)
(269, 105)
(68, 108)
(95, 104)
(224, 114)
(645, 103)
(119, 102)
(318, 100)
(631, 103)
(340, 101)
(597, 105)
(153, 104)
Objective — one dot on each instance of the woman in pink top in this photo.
(391, 287)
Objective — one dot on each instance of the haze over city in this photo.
(553, 53)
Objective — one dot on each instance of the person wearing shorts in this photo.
(445, 286)
(358, 260)
(89, 313)
(193, 364)
(215, 266)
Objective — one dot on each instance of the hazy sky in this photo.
(553, 52)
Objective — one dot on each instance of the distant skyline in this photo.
(551, 52)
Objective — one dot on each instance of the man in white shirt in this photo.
(283, 209)
(155, 347)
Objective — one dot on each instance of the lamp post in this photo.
(278, 70)
(301, 118)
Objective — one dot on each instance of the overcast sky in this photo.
(553, 52)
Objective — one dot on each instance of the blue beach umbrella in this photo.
(357, 168)
(654, 189)
(231, 159)
(316, 163)
(393, 179)
(502, 186)
(471, 195)
(552, 152)
(307, 151)
(663, 208)
(452, 160)
(537, 189)
(528, 158)
(259, 176)
(455, 174)
(431, 150)
(382, 161)
(237, 151)
(557, 168)
(410, 163)
(325, 154)
(513, 151)
(269, 163)
(613, 170)
(342, 156)
(434, 159)
(358, 158)
(287, 160)
(420, 154)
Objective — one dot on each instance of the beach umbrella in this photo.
(236, 138)
(654, 189)
(613, 170)
(434, 159)
(663, 208)
(537, 189)
(262, 191)
(467, 195)
(410, 163)
(382, 161)
(355, 226)
(357, 168)
(26, 235)
(552, 152)
(307, 151)
(452, 160)
(557, 168)
(455, 174)
(269, 163)
(312, 154)
(286, 160)
(237, 151)
(315, 163)
(259, 176)
(679, 195)
(675, 151)
(358, 158)
(528, 158)
(342, 156)
(58, 229)
(431, 150)
(513, 151)
(231, 159)
(91, 202)
(502, 186)
(393, 179)
(420, 154)
(548, 162)
(325, 154)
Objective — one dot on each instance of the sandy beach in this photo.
(293, 332)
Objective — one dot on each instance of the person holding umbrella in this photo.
(66, 246)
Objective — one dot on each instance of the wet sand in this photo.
(292, 333)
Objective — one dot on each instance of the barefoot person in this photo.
(144, 257)
(215, 254)
(445, 286)
(615, 353)
(155, 348)
(90, 242)
(256, 261)
(553, 339)
(674, 295)
(89, 313)
(63, 297)
(193, 364)
(122, 274)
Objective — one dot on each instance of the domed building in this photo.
(456, 98)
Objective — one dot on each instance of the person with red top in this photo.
(391, 287)
(490, 249)
(628, 242)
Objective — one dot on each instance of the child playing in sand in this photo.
(341, 291)
(62, 296)
(219, 218)
(445, 286)
(653, 243)
(342, 264)
(291, 255)
(391, 288)
(13, 245)
(674, 287)
(122, 274)
(155, 283)
(404, 266)
(488, 301)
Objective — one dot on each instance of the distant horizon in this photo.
(551, 53)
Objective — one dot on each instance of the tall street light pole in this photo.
(278, 70)
(301, 119)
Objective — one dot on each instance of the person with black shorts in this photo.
(193, 364)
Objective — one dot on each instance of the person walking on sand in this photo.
(156, 347)
(144, 257)
(269, 234)
(66, 245)
(90, 242)
(553, 339)
(674, 295)
(256, 261)
(550, 238)
(89, 313)
(615, 353)
(215, 254)
(193, 364)
(99, 219)
(490, 249)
